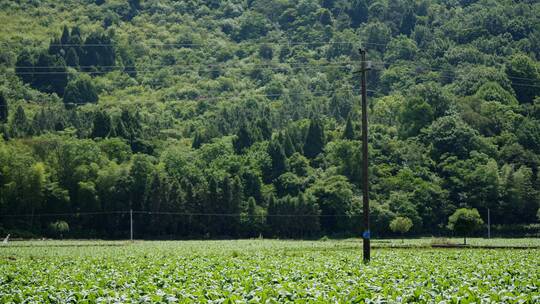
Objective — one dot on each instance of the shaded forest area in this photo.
(241, 118)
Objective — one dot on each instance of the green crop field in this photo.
(264, 271)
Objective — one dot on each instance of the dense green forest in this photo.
(240, 118)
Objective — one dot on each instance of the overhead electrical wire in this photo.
(222, 68)
(213, 67)
(230, 43)
(144, 71)
(205, 98)
(76, 214)
(209, 65)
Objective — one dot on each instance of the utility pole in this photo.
(366, 235)
(131, 224)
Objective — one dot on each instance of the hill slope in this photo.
(235, 118)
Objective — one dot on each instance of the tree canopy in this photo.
(239, 118)
(464, 222)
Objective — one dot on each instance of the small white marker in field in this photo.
(5, 241)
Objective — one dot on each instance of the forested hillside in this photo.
(240, 118)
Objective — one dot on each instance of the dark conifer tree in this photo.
(408, 22)
(276, 223)
(20, 126)
(98, 52)
(40, 122)
(134, 7)
(237, 193)
(135, 4)
(73, 118)
(264, 128)
(252, 185)
(154, 198)
(253, 222)
(128, 61)
(329, 4)
(65, 38)
(266, 52)
(244, 139)
(76, 43)
(314, 143)
(226, 194)
(75, 32)
(4, 111)
(233, 196)
(80, 90)
(358, 12)
(197, 140)
(213, 195)
(72, 59)
(125, 126)
(325, 17)
(24, 66)
(308, 225)
(287, 144)
(102, 125)
(279, 160)
(525, 76)
(55, 47)
(349, 133)
(177, 196)
(223, 225)
(50, 74)
(60, 124)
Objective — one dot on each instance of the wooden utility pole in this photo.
(366, 235)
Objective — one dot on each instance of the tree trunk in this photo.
(464, 240)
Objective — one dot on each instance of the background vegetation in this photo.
(239, 118)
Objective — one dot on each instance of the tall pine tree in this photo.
(287, 144)
(348, 133)
(279, 160)
(3, 108)
(314, 143)
(20, 126)
(24, 67)
(408, 22)
(264, 128)
(244, 139)
(358, 12)
(72, 59)
(65, 36)
(50, 74)
(102, 125)
(81, 90)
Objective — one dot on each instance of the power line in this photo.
(214, 45)
(62, 214)
(431, 68)
(192, 44)
(447, 70)
(145, 71)
(25, 215)
(209, 65)
(512, 83)
(224, 68)
(238, 214)
(205, 67)
(206, 98)
(426, 67)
